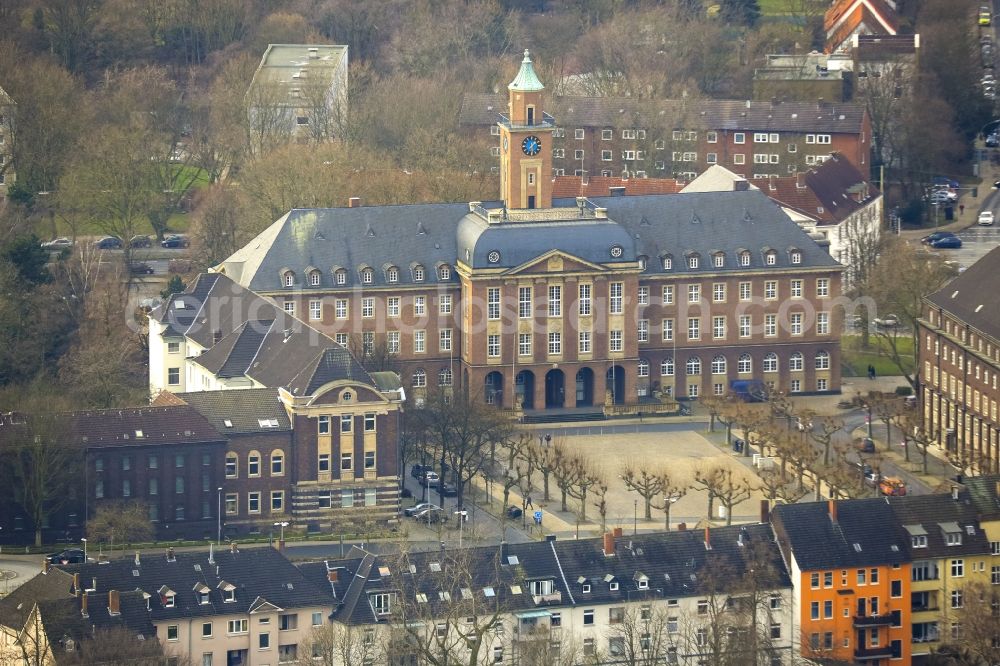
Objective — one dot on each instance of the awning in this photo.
(532, 613)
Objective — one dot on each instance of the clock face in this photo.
(616, 251)
(531, 145)
(493, 257)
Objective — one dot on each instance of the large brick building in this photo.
(622, 136)
(540, 303)
(959, 343)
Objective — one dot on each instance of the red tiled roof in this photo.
(846, 16)
(600, 186)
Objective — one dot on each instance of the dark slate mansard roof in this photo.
(971, 296)
(243, 409)
(431, 234)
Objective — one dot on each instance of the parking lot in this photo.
(976, 242)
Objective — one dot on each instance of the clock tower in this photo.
(526, 143)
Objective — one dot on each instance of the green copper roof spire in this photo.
(526, 79)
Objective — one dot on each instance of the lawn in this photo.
(855, 360)
(773, 7)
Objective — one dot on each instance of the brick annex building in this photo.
(544, 304)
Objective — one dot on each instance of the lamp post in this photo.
(635, 516)
(281, 537)
(218, 534)
(461, 524)
(84, 542)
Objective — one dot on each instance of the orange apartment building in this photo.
(848, 562)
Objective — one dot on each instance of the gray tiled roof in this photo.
(739, 115)
(865, 533)
(971, 296)
(651, 225)
(243, 409)
(255, 572)
(14, 607)
(938, 514)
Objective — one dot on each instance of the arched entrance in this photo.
(555, 388)
(584, 387)
(616, 384)
(493, 390)
(524, 389)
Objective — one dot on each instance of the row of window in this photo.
(347, 459)
(366, 275)
(152, 460)
(254, 502)
(152, 486)
(711, 136)
(254, 459)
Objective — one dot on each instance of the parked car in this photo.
(141, 269)
(418, 471)
(431, 515)
(866, 445)
(890, 485)
(68, 556)
(888, 321)
(445, 489)
(175, 241)
(930, 238)
(108, 243)
(986, 218)
(419, 508)
(140, 241)
(949, 243)
(992, 141)
(58, 243)
(429, 479)
(941, 197)
(514, 512)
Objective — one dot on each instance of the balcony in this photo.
(861, 621)
(539, 632)
(550, 598)
(548, 122)
(865, 654)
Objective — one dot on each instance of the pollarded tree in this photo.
(729, 485)
(645, 482)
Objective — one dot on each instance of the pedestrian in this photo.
(871, 371)
(961, 209)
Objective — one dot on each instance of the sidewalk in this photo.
(989, 173)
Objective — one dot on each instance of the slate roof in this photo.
(251, 337)
(256, 573)
(62, 618)
(15, 607)
(243, 409)
(970, 296)
(481, 109)
(650, 225)
(865, 533)
(157, 425)
(936, 515)
(675, 564)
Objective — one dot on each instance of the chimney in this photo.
(137, 562)
(76, 584)
(617, 532)
(550, 537)
(682, 527)
(354, 202)
(609, 544)
(83, 605)
(170, 555)
(954, 493)
(765, 511)
(45, 565)
(114, 608)
(833, 509)
(211, 553)
(708, 539)
(820, 102)
(332, 575)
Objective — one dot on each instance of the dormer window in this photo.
(167, 597)
(289, 279)
(744, 258)
(919, 541)
(314, 279)
(643, 261)
(953, 538)
(692, 261)
(367, 276)
(770, 257)
(418, 273)
(643, 583)
(444, 272)
(613, 586)
(392, 275)
(796, 257)
(228, 592)
(340, 277)
(718, 260)
(586, 588)
(201, 591)
(668, 263)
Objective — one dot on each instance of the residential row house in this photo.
(958, 338)
(536, 303)
(621, 136)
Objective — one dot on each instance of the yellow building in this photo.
(949, 551)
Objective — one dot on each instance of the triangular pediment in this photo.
(555, 261)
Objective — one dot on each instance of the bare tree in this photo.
(566, 472)
(639, 636)
(674, 488)
(645, 482)
(121, 523)
(586, 478)
(729, 486)
(338, 644)
(822, 431)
